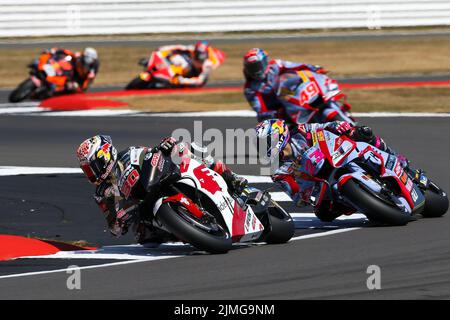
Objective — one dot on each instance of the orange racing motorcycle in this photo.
(48, 76)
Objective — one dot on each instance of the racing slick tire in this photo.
(372, 207)
(436, 202)
(188, 232)
(281, 225)
(23, 91)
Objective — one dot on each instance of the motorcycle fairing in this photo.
(342, 151)
(243, 225)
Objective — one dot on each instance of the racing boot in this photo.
(235, 183)
(148, 235)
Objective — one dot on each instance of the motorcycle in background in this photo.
(312, 97)
(46, 79)
(161, 72)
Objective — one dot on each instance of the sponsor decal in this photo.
(135, 154)
(336, 155)
(409, 185)
(337, 143)
(398, 169)
(404, 178)
(155, 159)
(161, 164)
(83, 150)
(320, 136)
(222, 206)
(414, 195)
(185, 201)
(314, 138)
(104, 152)
(391, 162)
(248, 219)
(148, 156)
(128, 181)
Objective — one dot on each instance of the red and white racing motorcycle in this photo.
(195, 206)
(363, 178)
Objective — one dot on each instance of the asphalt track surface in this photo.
(414, 260)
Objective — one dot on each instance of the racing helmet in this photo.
(201, 49)
(256, 64)
(90, 56)
(97, 157)
(274, 134)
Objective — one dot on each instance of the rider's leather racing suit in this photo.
(121, 197)
(77, 78)
(297, 178)
(262, 95)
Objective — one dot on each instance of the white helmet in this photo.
(90, 56)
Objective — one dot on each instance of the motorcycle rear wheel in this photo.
(190, 232)
(374, 208)
(23, 91)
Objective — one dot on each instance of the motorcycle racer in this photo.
(193, 61)
(295, 176)
(116, 174)
(262, 79)
(78, 69)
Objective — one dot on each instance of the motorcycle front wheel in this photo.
(374, 208)
(23, 91)
(205, 236)
(281, 225)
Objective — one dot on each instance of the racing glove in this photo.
(343, 127)
(320, 69)
(167, 144)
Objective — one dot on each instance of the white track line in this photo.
(14, 171)
(90, 113)
(401, 115)
(304, 237)
(72, 269)
(19, 104)
(323, 234)
(22, 110)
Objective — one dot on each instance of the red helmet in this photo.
(256, 64)
(97, 157)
